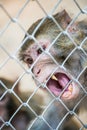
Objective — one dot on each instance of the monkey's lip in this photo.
(60, 84)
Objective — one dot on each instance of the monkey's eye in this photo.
(39, 51)
(28, 60)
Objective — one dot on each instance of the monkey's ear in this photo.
(63, 18)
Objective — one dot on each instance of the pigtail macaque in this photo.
(66, 76)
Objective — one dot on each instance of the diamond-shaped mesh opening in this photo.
(73, 103)
(52, 112)
(75, 63)
(39, 100)
(9, 67)
(76, 33)
(63, 46)
(41, 123)
(17, 32)
(71, 122)
(36, 103)
(22, 118)
(81, 103)
(83, 79)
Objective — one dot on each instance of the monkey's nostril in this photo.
(39, 71)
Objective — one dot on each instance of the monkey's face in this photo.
(59, 60)
(57, 79)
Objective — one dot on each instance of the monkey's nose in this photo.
(37, 71)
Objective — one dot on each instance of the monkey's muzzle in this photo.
(60, 84)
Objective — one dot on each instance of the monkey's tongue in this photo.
(57, 83)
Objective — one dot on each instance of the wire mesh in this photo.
(32, 105)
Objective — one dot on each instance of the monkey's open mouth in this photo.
(58, 82)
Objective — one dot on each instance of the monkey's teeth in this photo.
(54, 77)
(70, 88)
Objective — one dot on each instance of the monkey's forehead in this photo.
(60, 16)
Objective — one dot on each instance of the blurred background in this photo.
(16, 16)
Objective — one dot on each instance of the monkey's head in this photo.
(53, 57)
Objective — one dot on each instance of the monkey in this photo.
(58, 60)
(9, 105)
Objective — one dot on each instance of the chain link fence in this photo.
(28, 107)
